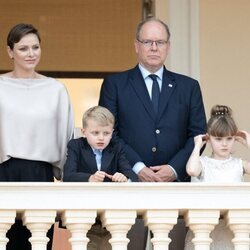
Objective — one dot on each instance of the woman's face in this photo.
(26, 53)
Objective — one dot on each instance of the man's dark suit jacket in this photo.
(165, 138)
(81, 162)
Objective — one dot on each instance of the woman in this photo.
(36, 120)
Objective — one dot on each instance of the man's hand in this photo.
(148, 175)
(164, 173)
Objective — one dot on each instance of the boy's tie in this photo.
(98, 157)
(155, 92)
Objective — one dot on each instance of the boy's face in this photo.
(98, 137)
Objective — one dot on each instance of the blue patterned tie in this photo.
(155, 92)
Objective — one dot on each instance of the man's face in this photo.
(152, 55)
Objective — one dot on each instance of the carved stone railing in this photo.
(118, 204)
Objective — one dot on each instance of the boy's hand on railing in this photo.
(119, 177)
(109, 176)
(97, 177)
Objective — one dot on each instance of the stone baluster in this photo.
(78, 222)
(160, 222)
(39, 222)
(7, 218)
(118, 223)
(239, 223)
(202, 222)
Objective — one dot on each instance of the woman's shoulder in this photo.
(11, 75)
(53, 82)
(8, 74)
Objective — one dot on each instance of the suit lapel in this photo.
(138, 84)
(107, 157)
(89, 156)
(168, 86)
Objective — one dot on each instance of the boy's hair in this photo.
(100, 114)
(221, 122)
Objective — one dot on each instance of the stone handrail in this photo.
(118, 204)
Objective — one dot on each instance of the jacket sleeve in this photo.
(196, 126)
(71, 173)
(124, 166)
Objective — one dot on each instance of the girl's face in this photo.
(26, 53)
(221, 146)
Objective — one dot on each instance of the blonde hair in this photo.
(221, 122)
(99, 114)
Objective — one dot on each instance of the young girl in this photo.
(219, 167)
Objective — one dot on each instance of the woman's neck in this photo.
(23, 74)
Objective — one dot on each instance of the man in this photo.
(157, 112)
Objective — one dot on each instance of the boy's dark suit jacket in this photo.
(165, 138)
(81, 162)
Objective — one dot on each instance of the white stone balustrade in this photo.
(78, 222)
(7, 218)
(160, 222)
(118, 223)
(39, 222)
(118, 204)
(202, 222)
(239, 223)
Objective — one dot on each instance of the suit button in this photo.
(154, 149)
(157, 131)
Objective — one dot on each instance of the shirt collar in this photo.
(97, 151)
(146, 73)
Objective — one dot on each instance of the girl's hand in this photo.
(200, 140)
(118, 177)
(243, 137)
(98, 176)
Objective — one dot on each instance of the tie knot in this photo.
(155, 94)
(153, 77)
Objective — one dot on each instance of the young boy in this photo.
(96, 158)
